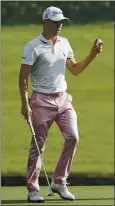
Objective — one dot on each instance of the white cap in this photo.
(54, 14)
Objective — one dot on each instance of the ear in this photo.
(46, 21)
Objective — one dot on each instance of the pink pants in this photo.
(45, 110)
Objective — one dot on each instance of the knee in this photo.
(35, 148)
(73, 136)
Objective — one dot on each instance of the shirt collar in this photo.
(42, 38)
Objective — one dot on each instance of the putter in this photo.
(34, 136)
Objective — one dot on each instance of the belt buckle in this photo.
(59, 94)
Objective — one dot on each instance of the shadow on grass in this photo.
(51, 200)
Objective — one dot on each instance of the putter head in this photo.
(51, 194)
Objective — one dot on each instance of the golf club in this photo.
(34, 136)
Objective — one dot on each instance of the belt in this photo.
(58, 94)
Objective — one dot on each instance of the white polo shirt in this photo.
(49, 63)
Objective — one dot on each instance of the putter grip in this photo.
(31, 126)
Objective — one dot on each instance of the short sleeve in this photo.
(29, 55)
(70, 52)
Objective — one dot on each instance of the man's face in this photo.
(54, 27)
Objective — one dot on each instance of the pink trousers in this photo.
(45, 110)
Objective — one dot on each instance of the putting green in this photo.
(85, 195)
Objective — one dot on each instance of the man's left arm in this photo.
(77, 67)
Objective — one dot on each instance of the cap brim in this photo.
(58, 18)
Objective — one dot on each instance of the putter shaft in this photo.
(34, 136)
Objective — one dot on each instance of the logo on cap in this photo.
(46, 16)
(56, 12)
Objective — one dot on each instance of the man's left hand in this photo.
(96, 49)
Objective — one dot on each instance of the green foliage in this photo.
(30, 12)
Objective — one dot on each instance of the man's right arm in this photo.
(23, 88)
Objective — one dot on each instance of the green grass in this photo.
(93, 100)
(88, 195)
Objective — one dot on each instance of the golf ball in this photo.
(99, 41)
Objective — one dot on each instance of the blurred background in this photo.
(30, 12)
(92, 90)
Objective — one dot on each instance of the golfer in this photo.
(45, 59)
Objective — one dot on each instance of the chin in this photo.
(58, 32)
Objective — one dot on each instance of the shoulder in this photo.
(64, 40)
(33, 43)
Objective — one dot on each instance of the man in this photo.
(45, 59)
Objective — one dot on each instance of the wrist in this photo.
(91, 57)
(24, 102)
